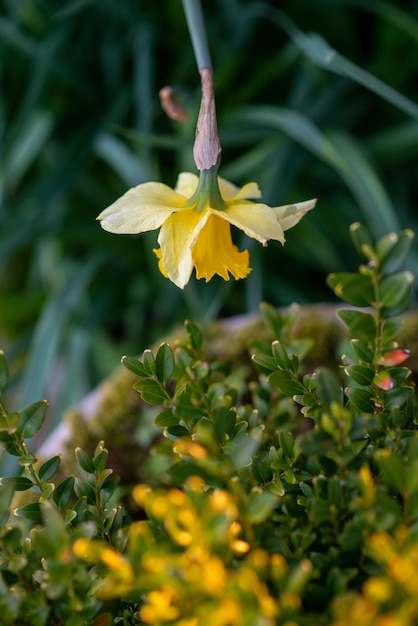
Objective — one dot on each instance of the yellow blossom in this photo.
(194, 221)
(159, 607)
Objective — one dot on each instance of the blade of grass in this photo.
(318, 50)
(340, 153)
(48, 333)
(121, 159)
(26, 147)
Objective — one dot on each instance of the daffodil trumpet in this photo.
(194, 220)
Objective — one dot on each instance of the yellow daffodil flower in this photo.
(195, 219)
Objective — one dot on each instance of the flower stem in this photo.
(207, 148)
(196, 26)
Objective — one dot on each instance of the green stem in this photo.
(3, 410)
(379, 327)
(207, 192)
(196, 26)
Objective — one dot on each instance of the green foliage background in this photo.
(80, 122)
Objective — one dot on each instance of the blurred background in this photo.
(314, 98)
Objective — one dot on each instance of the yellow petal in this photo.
(257, 220)
(250, 191)
(157, 252)
(142, 208)
(290, 214)
(214, 252)
(186, 184)
(176, 238)
(230, 192)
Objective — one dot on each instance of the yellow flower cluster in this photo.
(190, 563)
(388, 599)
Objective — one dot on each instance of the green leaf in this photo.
(164, 363)
(149, 363)
(11, 446)
(328, 387)
(178, 431)
(134, 365)
(47, 489)
(397, 397)
(390, 329)
(166, 418)
(287, 444)
(361, 399)
(259, 505)
(334, 492)
(151, 391)
(85, 461)
(362, 351)
(280, 355)
(27, 459)
(276, 487)
(265, 360)
(242, 447)
(224, 420)
(361, 240)
(4, 372)
(261, 471)
(361, 325)
(64, 492)
(49, 468)
(195, 334)
(285, 383)
(393, 250)
(392, 468)
(109, 487)
(31, 512)
(354, 288)
(8, 424)
(360, 374)
(395, 288)
(31, 419)
(19, 483)
(185, 409)
(100, 460)
(85, 489)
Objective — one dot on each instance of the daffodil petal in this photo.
(214, 253)
(142, 208)
(250, 191)
(257, 220)
(176, 238)
(290, 214)
(228, 190)
(186, 184)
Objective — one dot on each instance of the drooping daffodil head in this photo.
(195, 221)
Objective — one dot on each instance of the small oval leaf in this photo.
(84, 461)
(134, 365)
(164, 363)
(31, 419)
(19, 483)
(151, 391)
(49, 468)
